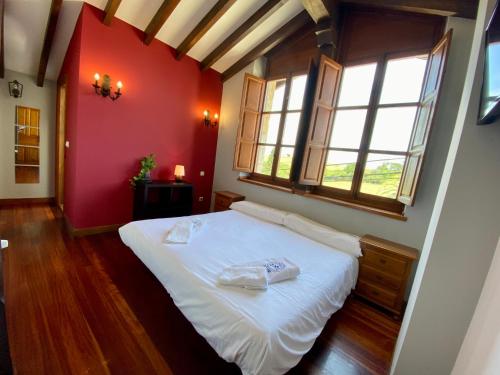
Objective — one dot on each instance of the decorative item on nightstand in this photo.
(383, 272)
(223, 200)
(179, 173)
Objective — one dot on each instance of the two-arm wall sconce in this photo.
(105, 89)
(206, 119)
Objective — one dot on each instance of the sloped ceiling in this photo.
(26, 20)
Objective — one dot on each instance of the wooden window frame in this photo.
(354, 195)
(272, 179)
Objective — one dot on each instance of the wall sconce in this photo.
(206, 119)
(179, 173)
(16, 89)
(105, 89)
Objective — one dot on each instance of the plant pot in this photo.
(147, 177)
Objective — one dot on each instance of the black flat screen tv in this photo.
(489, 109)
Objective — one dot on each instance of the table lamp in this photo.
(179, 173)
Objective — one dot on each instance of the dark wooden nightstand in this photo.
(223, 200)
(160, 198)
(384, 269)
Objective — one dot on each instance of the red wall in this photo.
(160, 112)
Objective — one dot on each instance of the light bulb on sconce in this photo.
(105, 88)
(206, 119)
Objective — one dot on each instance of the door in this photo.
(60, 143)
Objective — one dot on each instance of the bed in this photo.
(263, 332)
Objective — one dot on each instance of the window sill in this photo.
(357, 206)
(265, 184)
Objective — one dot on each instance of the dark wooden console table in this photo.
(160, 198)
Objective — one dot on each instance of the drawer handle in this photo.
(383, 261)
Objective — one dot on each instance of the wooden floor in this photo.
(88, 306)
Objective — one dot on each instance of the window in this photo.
(279, 125)
(365, 136)
(372, 166)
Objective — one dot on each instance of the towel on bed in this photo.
(278, 269)
(258, 274)
(182, 231)
(244, 276)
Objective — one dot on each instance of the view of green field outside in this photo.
(380, 178)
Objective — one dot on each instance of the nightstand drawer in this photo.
(367, 273)
(222, 202)
(224, 199)
(377, 294)
(384, 262)
(218, 208)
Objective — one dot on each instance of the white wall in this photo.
(43, 98)
(462, 236)
(411, 232)
(480, 352)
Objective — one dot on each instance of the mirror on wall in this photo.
(27, 145)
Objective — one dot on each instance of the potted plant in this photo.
(148, 163)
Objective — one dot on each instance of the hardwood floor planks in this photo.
(88, 305)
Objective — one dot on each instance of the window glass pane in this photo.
(269, 128)
(275, 92)
(264, 159)
(297, 92)
(382, 175)
(291, 128)
(403, 80)
(285, 162)
(348, 128)
(339, 169)
(392, 129)
(356, 86)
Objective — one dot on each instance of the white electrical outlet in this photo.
(202, 173)
(200, 199)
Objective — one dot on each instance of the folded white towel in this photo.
(244, 276)
(182, 231)
(258, 274)
(278, 269)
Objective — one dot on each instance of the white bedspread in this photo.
(263, 332)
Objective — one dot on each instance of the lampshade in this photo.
(179, 171)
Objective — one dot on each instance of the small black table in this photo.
(162, 198)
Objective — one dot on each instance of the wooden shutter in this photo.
(320, 123)
(424, 120)
(248, 129)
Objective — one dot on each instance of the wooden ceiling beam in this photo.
(457, 8)
(55, 10)
(2, 54)
(317, 9)
(269, 43)
(110, 11)
(217, 11)
(159, 19)
(263, 13)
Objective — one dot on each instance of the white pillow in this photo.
(260, 211)
(345, 242)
